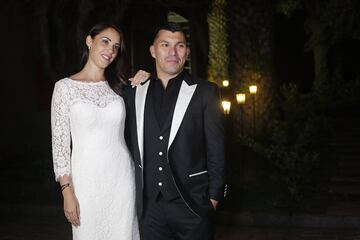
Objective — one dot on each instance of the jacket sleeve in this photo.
(214, 135)
(128, 94)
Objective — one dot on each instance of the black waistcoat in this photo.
(157, 173)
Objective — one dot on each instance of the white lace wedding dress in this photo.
(88, 144)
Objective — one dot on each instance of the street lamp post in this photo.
(240, 98)
(253, 90)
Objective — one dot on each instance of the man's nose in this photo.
(172, 50)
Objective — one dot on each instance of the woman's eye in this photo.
(116, 48)
(105, 41)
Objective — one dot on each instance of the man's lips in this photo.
(172, 60)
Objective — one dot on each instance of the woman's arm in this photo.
(71, 204)
(140, 77)
(60, 129)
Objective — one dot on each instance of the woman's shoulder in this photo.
(62, 86)
(62, 81)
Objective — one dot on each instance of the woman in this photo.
(96, 174)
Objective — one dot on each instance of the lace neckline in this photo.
(87, 83)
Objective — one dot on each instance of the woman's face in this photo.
(104, 47)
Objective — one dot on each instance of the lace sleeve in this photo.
(60, 128)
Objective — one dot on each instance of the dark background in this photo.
(41, 43)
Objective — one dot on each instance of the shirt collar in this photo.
(177, 78)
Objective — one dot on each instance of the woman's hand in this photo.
(71, 206)
(140, 77)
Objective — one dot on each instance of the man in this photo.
(175, 127)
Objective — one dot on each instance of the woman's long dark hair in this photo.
(115, 73)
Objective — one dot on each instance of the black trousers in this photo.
(173, 220)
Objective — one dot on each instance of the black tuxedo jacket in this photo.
(196, 143)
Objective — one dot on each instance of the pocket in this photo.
(197, 173)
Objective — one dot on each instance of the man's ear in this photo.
(152, 51)
(89, 41)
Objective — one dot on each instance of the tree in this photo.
(327, 22)
(251, 49)
(218, 69)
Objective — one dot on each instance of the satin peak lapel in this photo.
(185, 94)
(140, 97)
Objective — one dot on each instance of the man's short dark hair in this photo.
(169, 26)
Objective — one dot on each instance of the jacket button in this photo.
(161, 137)
(160, 169)
(159, 184)
(160, 153)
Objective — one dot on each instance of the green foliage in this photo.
(327, 22)
(331, 21)
(290, 142)
(218, 43)
(287, 7)
(339, 90)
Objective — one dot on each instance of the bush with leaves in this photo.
(290, 142)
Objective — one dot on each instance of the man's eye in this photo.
(164, 44)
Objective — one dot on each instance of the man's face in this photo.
(170, 52)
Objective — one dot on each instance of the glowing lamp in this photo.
(253, 89)
(225, 83)
(226, 106)
(240, 98)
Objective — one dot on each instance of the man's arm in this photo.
(128, 99)
(214, 135)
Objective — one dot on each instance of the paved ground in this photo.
(55, 228)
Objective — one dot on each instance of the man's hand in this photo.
(214, 203)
